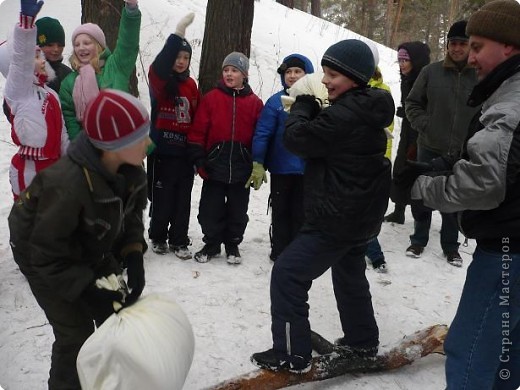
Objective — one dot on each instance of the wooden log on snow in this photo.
(331, 365)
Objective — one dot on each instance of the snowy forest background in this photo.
(228, 306)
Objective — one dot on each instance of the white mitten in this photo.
(113, 282)
(180, 30)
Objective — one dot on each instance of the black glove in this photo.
(307, 103)
(439, 166)
(100, 301)
(400, 112)
(410, 172)
(135, 273)
(442, 165)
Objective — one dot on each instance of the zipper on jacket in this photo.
(232, 136)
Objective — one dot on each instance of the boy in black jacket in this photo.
(79, 220)
(346, 190)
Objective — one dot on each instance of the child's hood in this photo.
(309, 68)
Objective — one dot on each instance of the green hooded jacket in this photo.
(115, 72)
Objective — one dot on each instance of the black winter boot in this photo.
(276, 361)
(397, 216)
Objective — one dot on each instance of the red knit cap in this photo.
(115, 120)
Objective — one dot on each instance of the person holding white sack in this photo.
(79, 221)
(34, 109)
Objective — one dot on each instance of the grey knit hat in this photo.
(351, 58)
(238, 60)
(498, 20)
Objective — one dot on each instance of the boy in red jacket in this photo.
(220, 148)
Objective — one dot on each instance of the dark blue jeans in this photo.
(374, 253)
(306, 258)
(423, 218)
(483, 343)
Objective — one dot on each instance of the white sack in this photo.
(310, 84)
(148, 345)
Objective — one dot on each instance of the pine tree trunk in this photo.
(287, 3)
(316, 8)
(454, 10)
(388, 22)
(228, 28)
(396, 23)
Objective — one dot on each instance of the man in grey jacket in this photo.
(437, 110)
(483, 343)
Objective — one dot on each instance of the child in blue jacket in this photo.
(286, 169)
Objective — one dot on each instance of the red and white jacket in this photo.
(37, 122)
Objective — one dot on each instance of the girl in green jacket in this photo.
(95, 67)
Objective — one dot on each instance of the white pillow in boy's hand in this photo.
(310, 84)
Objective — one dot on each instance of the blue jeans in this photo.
(374, 253)
(483, 343)
(423, 218)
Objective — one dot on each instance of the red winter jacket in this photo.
(222, 133)
(171, 119)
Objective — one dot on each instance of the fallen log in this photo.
(331, 364)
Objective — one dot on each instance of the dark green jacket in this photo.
(436, 106)
(76, 221)
(115, 73)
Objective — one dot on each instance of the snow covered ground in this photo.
(228, 306)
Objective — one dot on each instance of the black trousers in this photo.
(223, 212)
(170, 181)
(306, 258)
(287, 213)
(406, 150)
(71, 323)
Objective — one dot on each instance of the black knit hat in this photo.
(291, 62)
(185, 46)
(49, 31)
(498, 21)
(458, 31)
(352, 58)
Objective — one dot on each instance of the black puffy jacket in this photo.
(347, 177)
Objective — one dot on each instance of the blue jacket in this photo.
(268, 148)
